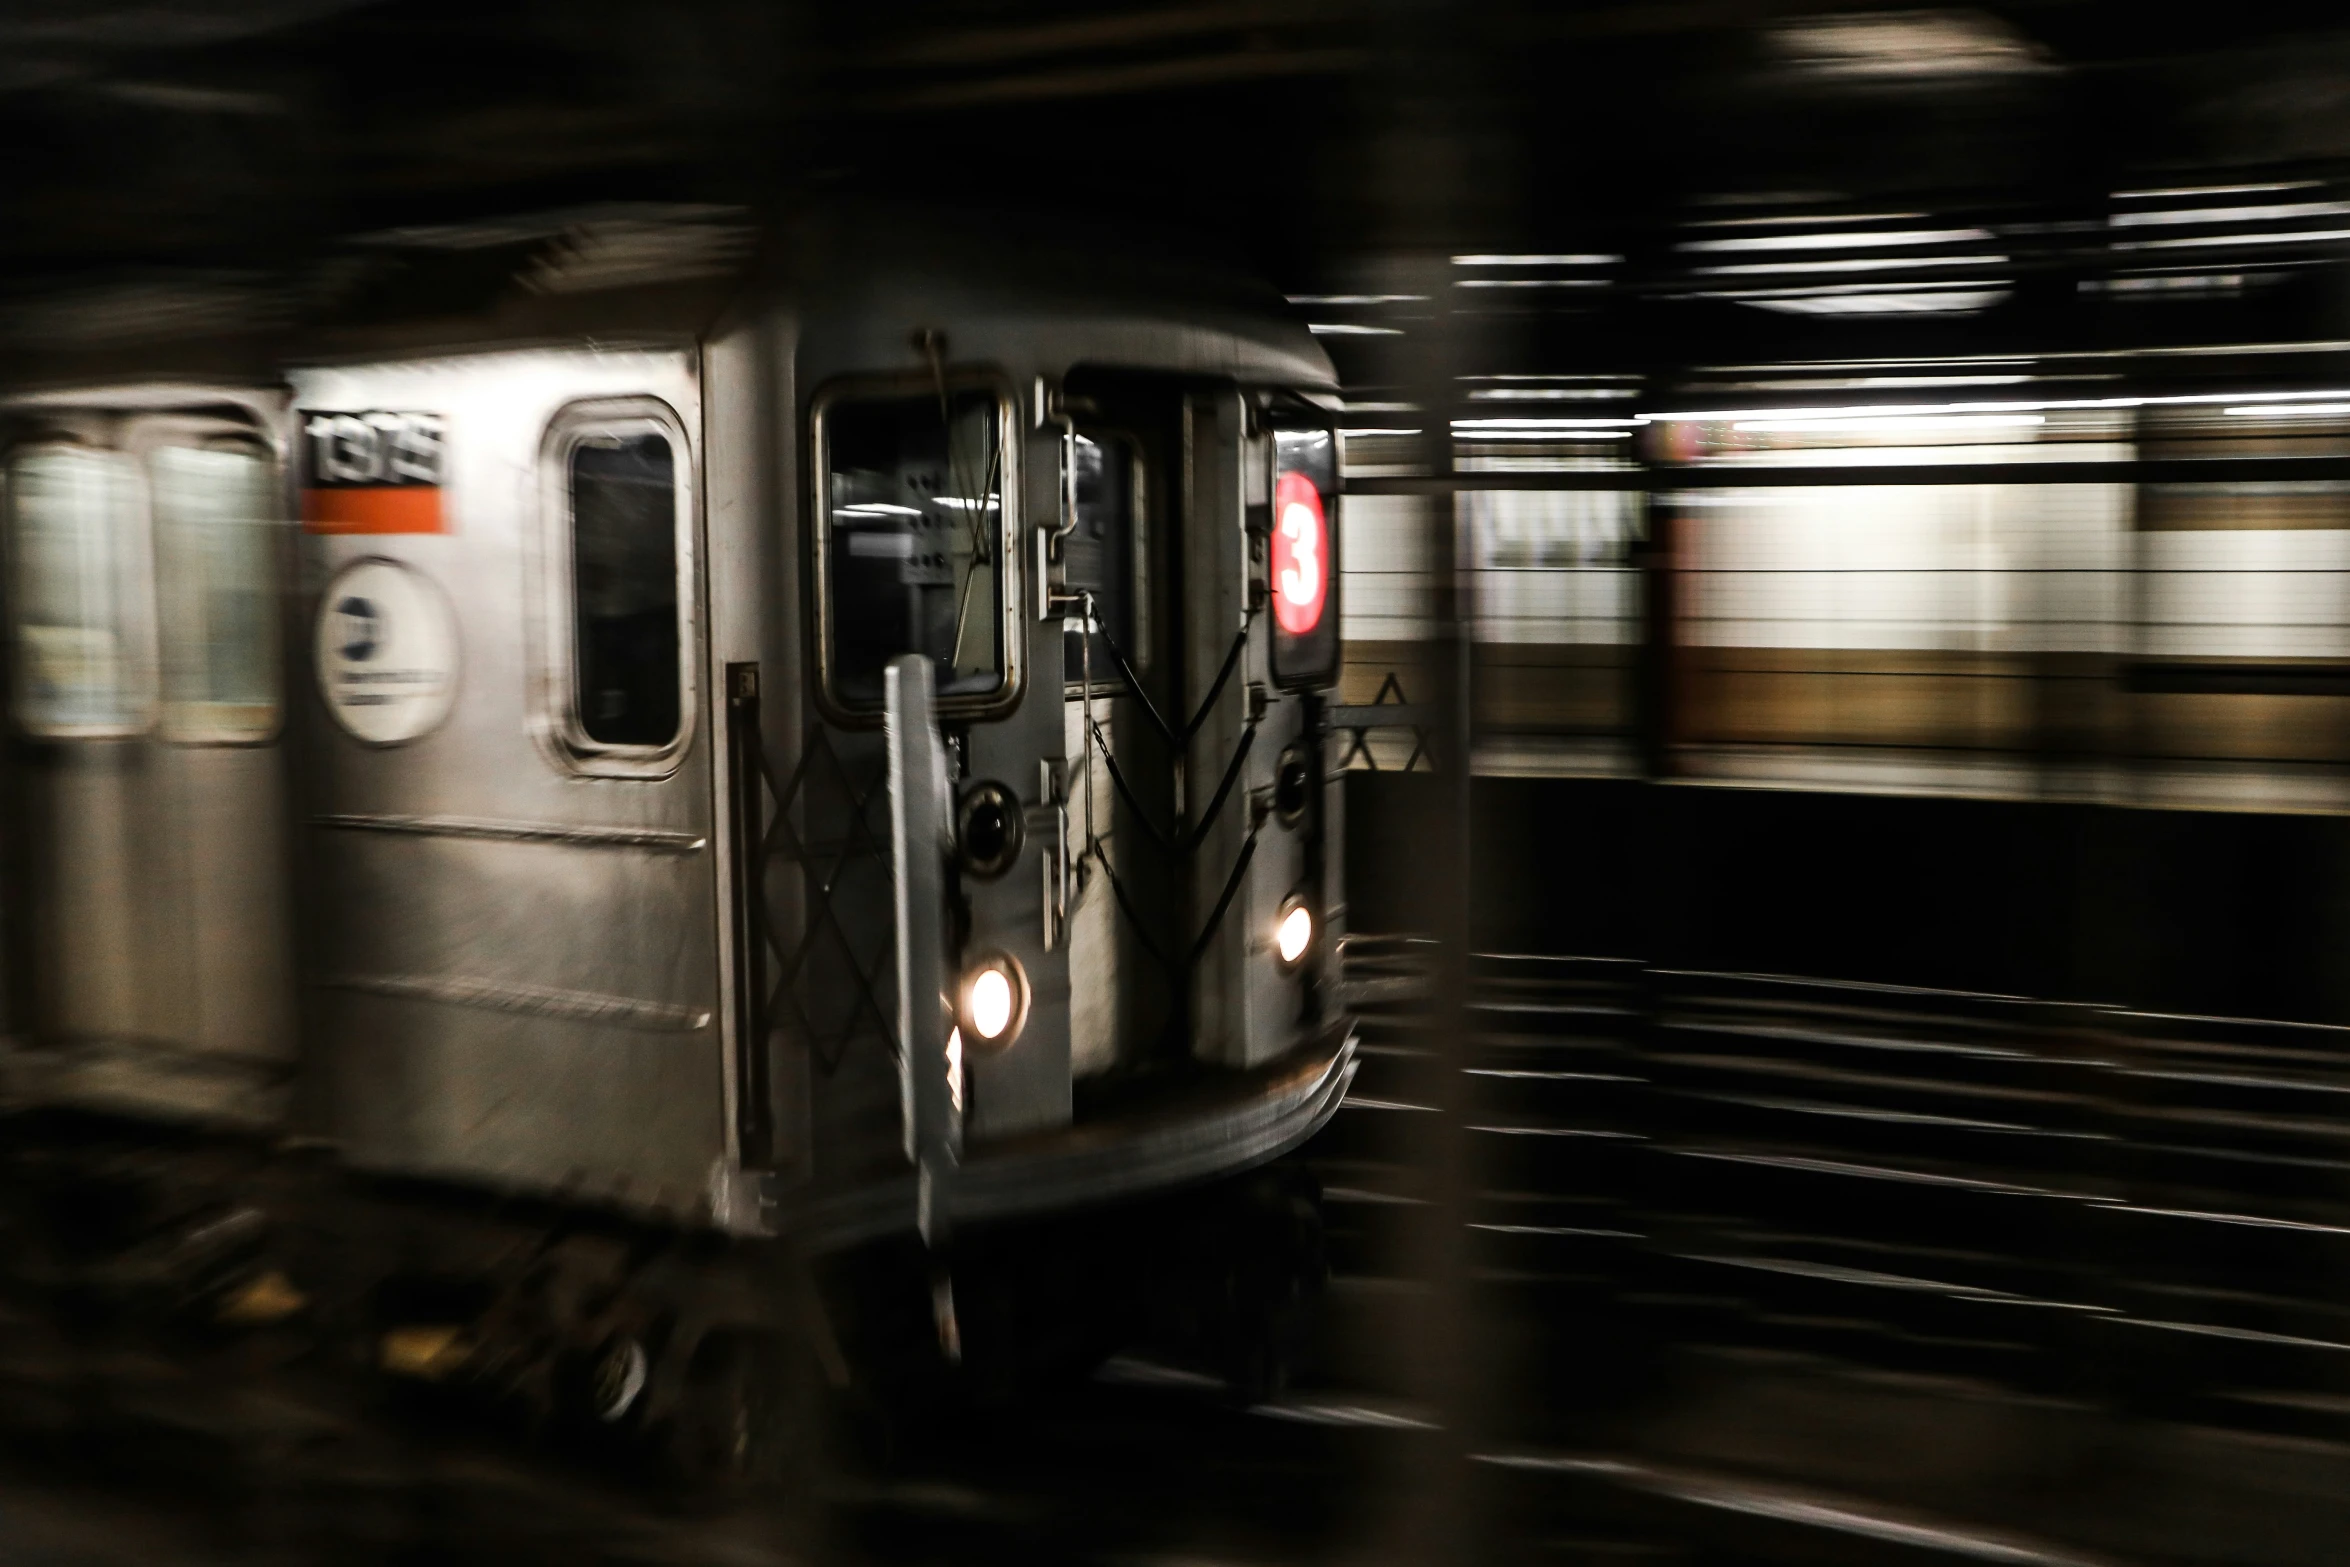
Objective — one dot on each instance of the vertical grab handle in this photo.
(928, 1094)
(754, 1077)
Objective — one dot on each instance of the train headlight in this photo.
(987, 830)
(1294, 936)
(992, 1001)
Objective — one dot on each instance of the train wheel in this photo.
(742, 1421)
(1275, 1278)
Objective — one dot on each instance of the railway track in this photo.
(1775, 1272)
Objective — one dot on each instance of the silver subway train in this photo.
(620, 751)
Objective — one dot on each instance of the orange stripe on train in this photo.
(402, 508)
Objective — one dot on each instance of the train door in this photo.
(1198, 847)
(515, 903)
(148, 881)
(1112, 565)
(916, 505)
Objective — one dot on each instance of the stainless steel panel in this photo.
(546, 1104)
(1215, 583)
(1247, 1009)
(510, 948)
(749, 475)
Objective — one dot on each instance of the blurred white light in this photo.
(1896, 45)
(1378, 432)
(1844, 241)
(2290, 410)
(1902, 423)
(958, 503)
(1295, 933)
(2200, 241)
(2174, 191)
(1934, 410)
(2180, 283)
(991, 1003)
(1535, 261)
(1941, 301)
(1541, 435)
(1531, 282)
(1550, 394)
(1348, 329)
(1850, 264)
(2294, 209)
(1357, 299)
(955, 1069)
(878, 509)
(1543, 424)
(1807, 217)
(1864, 383)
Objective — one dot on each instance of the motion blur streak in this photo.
(1175, 781)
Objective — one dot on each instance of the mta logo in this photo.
(362, 629)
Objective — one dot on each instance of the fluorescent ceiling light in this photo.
(1838, 241)
(1850, 264)
(1535, 261)
(2205, 241)
(1820, 217)
(1936, 410)
(2296, 209)
(1896, 423)
(1543, 424)
(1549, 394)
(1934, 302)
(2211, 190)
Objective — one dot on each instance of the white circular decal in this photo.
(387, 651)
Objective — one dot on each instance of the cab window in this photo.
(75, 526)
(216, 522)
(913, 538)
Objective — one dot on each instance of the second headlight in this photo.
(991, 1002)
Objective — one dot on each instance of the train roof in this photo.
(856, 282)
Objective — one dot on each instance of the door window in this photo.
(619, 580)
(75, 526)
(626, 652)
(216, 521)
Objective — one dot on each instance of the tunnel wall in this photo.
(2236, 914)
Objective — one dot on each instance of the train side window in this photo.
(1104, 554)
(912, 540)
(84, 654)
(621, 584)
(216, 524)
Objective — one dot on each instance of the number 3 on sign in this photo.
(1301, 555)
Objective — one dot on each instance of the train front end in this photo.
(1047, 841)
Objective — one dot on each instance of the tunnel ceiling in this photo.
(237, 138)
